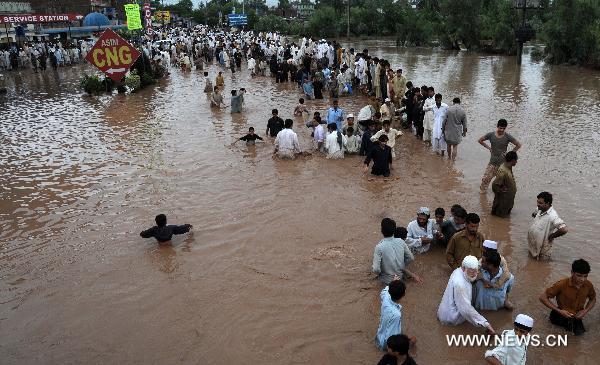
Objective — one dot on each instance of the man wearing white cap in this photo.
(456, 307)
(420, 231)
(489, 245)
(353, 141)
(387, 110)
(351, 123)
(513, 350)
(488, 297)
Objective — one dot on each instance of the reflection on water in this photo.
(277, 266)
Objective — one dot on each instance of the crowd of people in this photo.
(480, 277)
(39, 55)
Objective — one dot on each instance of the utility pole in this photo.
(525, 32)
(521, 38)
(348, 20)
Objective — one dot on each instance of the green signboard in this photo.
(134, 20)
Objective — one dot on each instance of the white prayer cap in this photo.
(490, 244)
(524, 320)
(423, 210)
(350, 116)
(470, 262)
(387, 99)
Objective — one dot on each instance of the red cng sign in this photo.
(112, 55)
(148, 19)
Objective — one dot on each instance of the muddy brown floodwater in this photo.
(276, 270)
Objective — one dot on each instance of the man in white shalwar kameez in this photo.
(251, 65)
(513, 349)
(335, 149)
(428, 119)
(438, 142)
(456, 307)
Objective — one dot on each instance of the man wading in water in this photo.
(505, 187)
(499, 141)
(164, 233)
(454, 127)
(381, 155)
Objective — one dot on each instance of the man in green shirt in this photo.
(464, 243)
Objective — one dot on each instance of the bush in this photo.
(133, 81)
(147, 79)
(94, 85)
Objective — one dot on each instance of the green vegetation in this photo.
(94, 84)
(572, 32)
(133, 81)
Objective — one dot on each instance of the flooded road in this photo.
(277, 269)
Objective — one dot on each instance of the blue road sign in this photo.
(237, 19)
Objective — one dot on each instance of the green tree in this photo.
(284, 8)
(339, 6)
(414, 27)
(184, 8)
(324, 22)
(572, 32)
(459, 23)
(270, 23)
(498, 25)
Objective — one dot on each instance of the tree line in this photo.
(569, 29)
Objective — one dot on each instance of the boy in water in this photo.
(438, 236)
(208, 87)
(300, 108)
(353, 144)
(250, 138)
(162, 232)
(397, 351)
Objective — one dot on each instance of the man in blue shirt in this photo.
(390, 322)
(489, 297)
(391, 254)
(335, 115)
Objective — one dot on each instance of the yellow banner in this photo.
(162, 16)
(134, 20)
